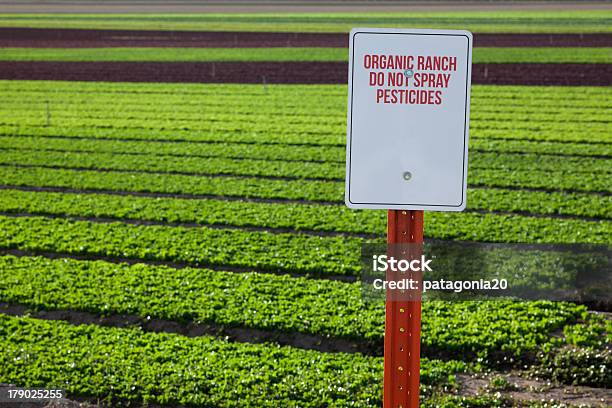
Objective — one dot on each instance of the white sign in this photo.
(408, 119)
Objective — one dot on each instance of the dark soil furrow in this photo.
(287, 72)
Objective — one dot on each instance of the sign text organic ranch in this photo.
(408, 119)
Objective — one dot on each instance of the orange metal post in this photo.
(403, 324)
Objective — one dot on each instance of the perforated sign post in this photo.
(407, 145)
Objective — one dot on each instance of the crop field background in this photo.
(172, 225)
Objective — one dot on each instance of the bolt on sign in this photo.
(408, 119)
(407, 145)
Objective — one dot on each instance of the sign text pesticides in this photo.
(396, 81)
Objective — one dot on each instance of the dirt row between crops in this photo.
(286, 72)
(521, 389)
(77, 38)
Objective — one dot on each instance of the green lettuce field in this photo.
(187, 244)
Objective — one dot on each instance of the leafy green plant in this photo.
(577, 366)
(508, 21)
(480, 54)
(595, 332)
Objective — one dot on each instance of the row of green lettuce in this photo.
(481, 55)
(273, 163)
(321, 98)
(489, 170)
(582, 112)
(193, 186)
(594, 132)
(186, 113)
(316, 129)
(221, 247)
(284, 152)
(595, 144)
(53, 112)
(317, 100)
(495, 21)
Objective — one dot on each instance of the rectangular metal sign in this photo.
(408, 119)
